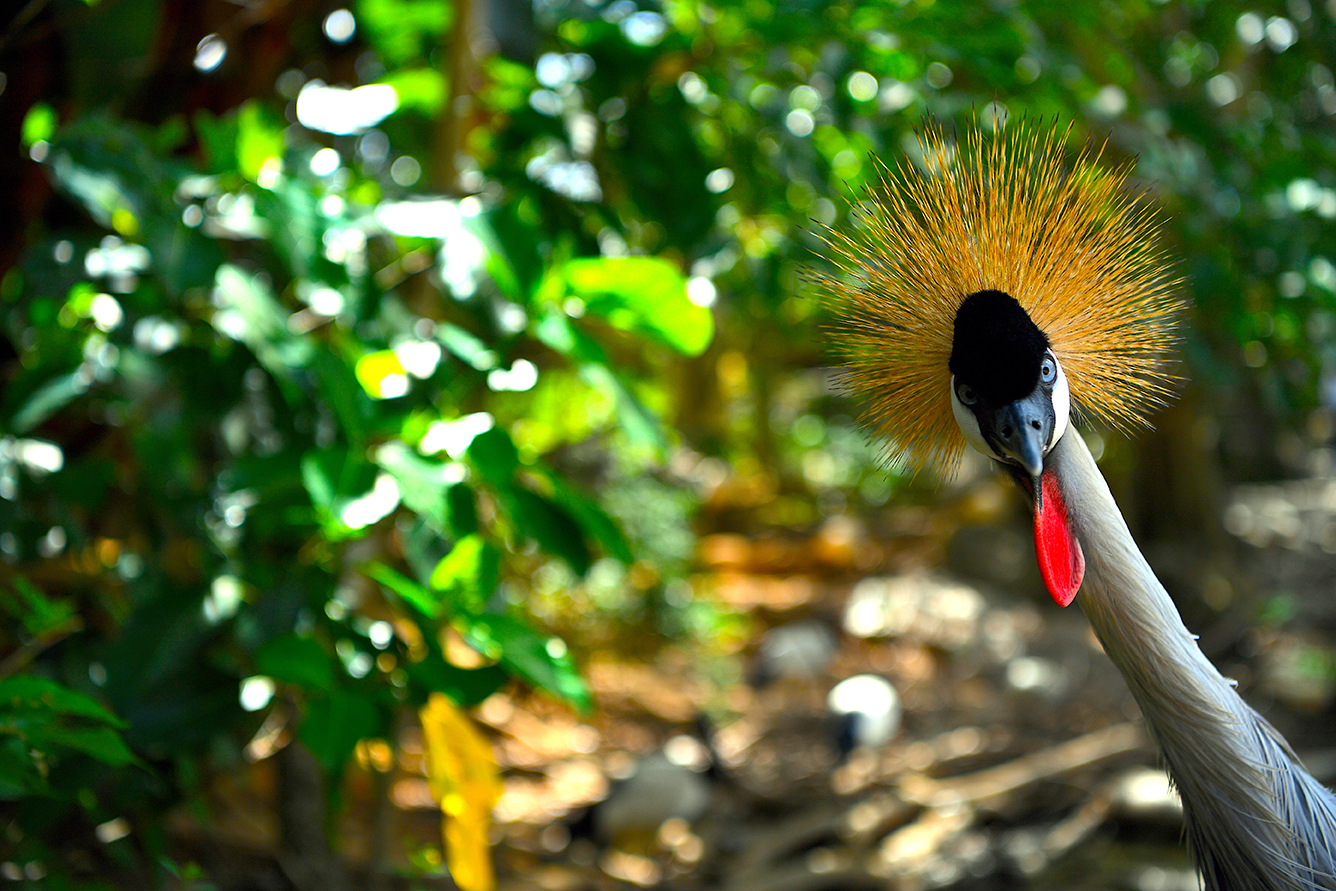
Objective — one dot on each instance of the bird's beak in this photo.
(1056, 546)
(1019, 432)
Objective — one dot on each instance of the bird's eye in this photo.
(1048, 371)
(966, 395)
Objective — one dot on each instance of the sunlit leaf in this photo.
(465, 780)
(466, 346)
(540, 659)
(420, 89)
(48, 399)
(468, 573)
(508, 84)
(335, 479)
(249, 312)
(382, 375)
(426, 486)
(643, 294)
(639, 424)
(403, 33)
(100, 191)
(259, 139)
(39, 124)
(416, 595)
(556, 331)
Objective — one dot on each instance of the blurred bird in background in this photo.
(800, 650)
(677, 782)
(866, 709)
(987, 292)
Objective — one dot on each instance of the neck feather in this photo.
(1256, 819)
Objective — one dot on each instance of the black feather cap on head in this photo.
(996, 348)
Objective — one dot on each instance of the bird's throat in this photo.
(1061, 562)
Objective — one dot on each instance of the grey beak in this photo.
(1019, 432)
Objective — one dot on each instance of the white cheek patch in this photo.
(968, 424)
(1062, 404)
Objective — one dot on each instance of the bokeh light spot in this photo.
(862, 86)
(719, 180)
(800, 122)
(1250, 28)
(325, 162)
(210, 53)
(340, 26)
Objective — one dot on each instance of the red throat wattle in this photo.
(1060, 559)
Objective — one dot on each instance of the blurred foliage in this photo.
(342, 339)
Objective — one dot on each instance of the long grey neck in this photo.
(1243, 790)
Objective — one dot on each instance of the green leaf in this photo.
(296, 660)
(38, 613)
(463, 509)
(342, 392)
(647, 295)
(259, 139)
(639, 424)
(465, 346)
(419, 89)
(335, 723)
(556, 331)
(333, 478)
(513, 260)
(19, 772)
(252, 314)
(120, 173)
(466, 686)
(425, 485)
(415, 595)
(102, 743)
(469, 572)
(592, 519)
(40, 716)
(494, 454)
(48, 399)
(404, 32)
(540, 659)
(28, 693)
(39, 124)
(555, 530)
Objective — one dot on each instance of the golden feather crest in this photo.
(1001, 211)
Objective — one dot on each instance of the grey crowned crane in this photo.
(984, 290)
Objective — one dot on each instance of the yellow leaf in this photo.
(466, 782)
(123, 221)
(381, 374)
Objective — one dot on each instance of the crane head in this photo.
(1011, 400)
(986, 291)
(1009, 394)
